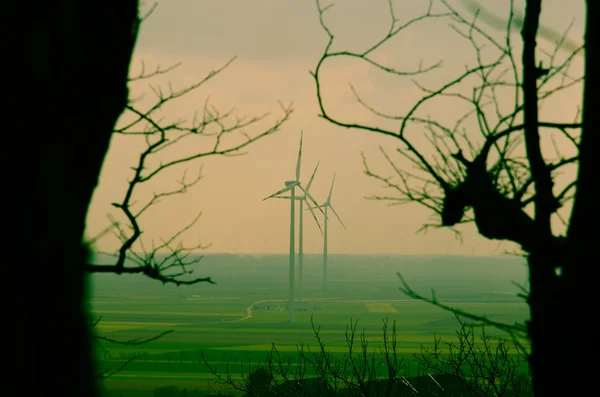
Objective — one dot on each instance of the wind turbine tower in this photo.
(301, 200)
(290, 186)
(326, 205)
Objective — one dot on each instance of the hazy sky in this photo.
(277, 43)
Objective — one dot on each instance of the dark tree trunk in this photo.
(559, 305)
(68, 79)
(545, 301)
(580, 285)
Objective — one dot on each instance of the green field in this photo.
(214, 320)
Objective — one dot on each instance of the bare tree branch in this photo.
(517, 328)
(134, 341)
(477, 160)
(169, 260)
(107, 372)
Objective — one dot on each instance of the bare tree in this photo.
(483, 368)
(214, 132)
(490, 166)
(466, 368)
(68, 72)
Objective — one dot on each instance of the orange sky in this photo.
(277, 43)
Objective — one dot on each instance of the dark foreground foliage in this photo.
(473, 365)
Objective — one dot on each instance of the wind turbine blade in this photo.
(283, 197)
(312, 177)
(336, 214)
(331, 189)
(286, 189)
(299, 157)
(307, 194)
(315, 218)
(317, 207)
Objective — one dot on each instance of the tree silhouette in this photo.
(465, 367)
(260, 382)
(68, 70)
(483, 366)
(490, 166)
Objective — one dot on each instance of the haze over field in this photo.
(238, 320)
(463, 278)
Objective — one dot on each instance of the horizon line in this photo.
(330, 253)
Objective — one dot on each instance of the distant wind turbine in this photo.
(302, 199)
(291, 187)
(326, 205)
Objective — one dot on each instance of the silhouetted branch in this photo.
(210, 133)
(158, 71)
(520, 329)
(134, 341)
(107, 373)
(150, 271)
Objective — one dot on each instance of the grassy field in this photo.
(214, 320)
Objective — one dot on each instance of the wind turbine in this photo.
(326, 205)
(302, 199)
(291, 187)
